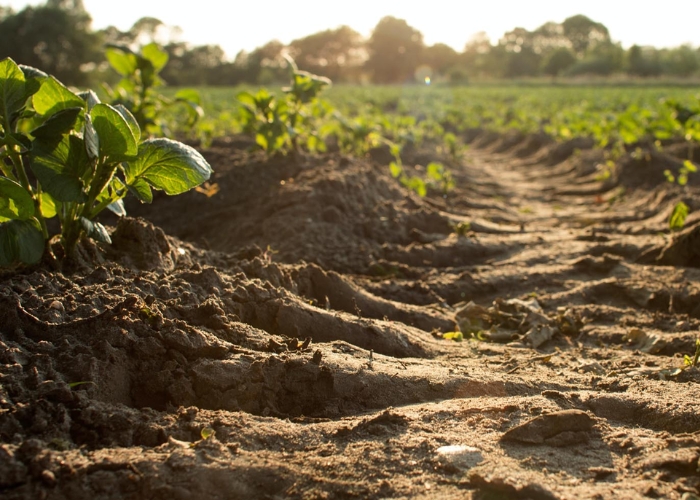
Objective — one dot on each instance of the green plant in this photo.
(688, 361)
(84, 157)
(677, 219)
(137, 89)
(414, 183)
(264, 117)
(682, 177)
(282, 125)
(461, 229)
(440, 177)
(452, 146)
(680, 212)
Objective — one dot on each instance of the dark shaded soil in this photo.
(282, 338)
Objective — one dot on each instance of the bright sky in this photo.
(247, 24)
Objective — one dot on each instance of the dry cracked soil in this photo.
(282, 338)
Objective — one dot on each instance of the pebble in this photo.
(464, 457)
(57, 305)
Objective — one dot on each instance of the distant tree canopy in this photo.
(58, 38)
(338, 54)
(395, 51)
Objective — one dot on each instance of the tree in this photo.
(681, 61)
(480, 58)
(336, 54)
(191, 65)
(440, 58)
(264, 65)
(395, 50)
(559, 61)
(643, 61)
(56, 38)
(584, 34)
(521, 60)
(604, 59)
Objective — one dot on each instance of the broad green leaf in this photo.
(95, 230)
(148, 71)
(142, 190)
(678, 216)
(58, 124)
(15, 201)
(117, 141)
(33, 79)
(157, 57)
(111, 198)
(90, 99)
(92, 140)
(122, 60)
(59, 166)
(12, 89)
(48, 206)
(168, 165)
(117, 208)
(130, 121)
(20, 241)
(395, 169)
(33, 73)
(53, 96)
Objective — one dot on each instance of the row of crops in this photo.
(614, 117)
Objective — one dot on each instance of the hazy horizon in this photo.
(246, 28)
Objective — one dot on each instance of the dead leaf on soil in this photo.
(645, 342)
(538, 335)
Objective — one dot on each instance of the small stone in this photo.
(48, 477)
(57, 305)
(460, 456)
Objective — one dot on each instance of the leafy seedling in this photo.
(85, 156)
(688, 361)
(440, 177)
(462, 229)
(282, 125)
(677, 219)
(137, 90)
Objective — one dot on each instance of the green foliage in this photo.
(677, 219)
(440, 177)
(137, 90)
(462, 229)
(688, 361)
(84, 155)
(286, 124)
(456, 336)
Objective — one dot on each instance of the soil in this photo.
(282, 338)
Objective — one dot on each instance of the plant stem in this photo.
(16, 159)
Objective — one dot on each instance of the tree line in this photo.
(58, 38)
